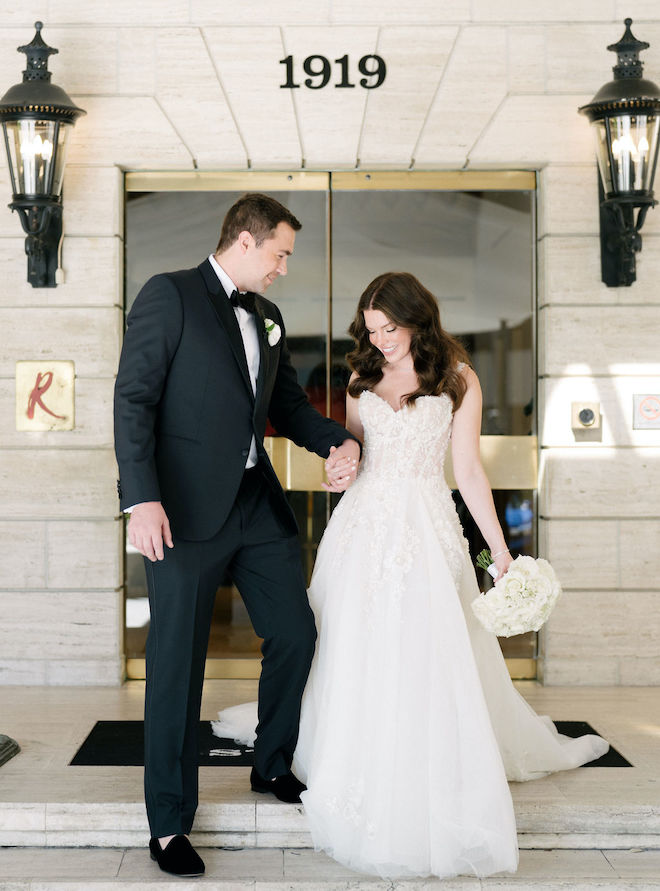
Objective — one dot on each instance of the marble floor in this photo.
(593, 827)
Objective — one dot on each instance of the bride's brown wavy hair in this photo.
(436, 354)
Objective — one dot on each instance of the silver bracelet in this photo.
(499, 553)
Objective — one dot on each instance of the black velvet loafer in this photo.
(178, 857)
(286, 788)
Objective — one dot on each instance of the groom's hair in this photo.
(257, 214)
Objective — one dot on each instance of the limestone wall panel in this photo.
(416, 61)
(190, 96)
(58, 483)
(535, 130)
(136, 61)
(93, 418)
(77, 625)
(615, 395)
(639, 10)
(477, 67)
(62, 672)
(590, 624)
(248, 64)
(568, 200)
(569, 272)
(24, 671)
(578, 671)
(84, 554)
(16, 15)
(85, 672)
(584, 553)
(599, 340)
(23, 563)
(91, 272)
(133, 132)
(265, 12)
(424, 12)
(639, 541)
(605, 483)
(79, 64)
(543, 11)
(94, 202)
(90, 337)
(526, 58)
(121, 12)
(640, 670)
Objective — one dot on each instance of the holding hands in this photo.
(341, 466)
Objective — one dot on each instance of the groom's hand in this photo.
(148, 528)
(341, 466)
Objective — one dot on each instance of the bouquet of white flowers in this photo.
(521, 600)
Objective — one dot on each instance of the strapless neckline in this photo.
(396, 411)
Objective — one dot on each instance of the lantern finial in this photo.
(628, 49)
(37, 53)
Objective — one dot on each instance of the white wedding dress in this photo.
(410, 724)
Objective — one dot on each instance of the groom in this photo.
(204, 364)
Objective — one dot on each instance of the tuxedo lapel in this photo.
(227, 318)
(264, 347)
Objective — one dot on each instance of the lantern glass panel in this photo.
(37, 153)
(626, 164)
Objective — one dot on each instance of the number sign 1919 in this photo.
(319, 71)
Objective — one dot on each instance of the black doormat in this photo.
(611, 758)
(121, 744)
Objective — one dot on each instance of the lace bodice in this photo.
(411, 442)
(401, 478)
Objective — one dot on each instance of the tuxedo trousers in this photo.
(256, 548)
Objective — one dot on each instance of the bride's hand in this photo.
(502, 564)
(341, 466)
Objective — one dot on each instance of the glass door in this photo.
(467, 236)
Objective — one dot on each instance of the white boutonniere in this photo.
(273, 331)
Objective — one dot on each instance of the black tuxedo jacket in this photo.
(185, 412)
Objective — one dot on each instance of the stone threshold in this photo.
(40, 869)
(321, 884)
(259, 824)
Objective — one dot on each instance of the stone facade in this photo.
(185, 84)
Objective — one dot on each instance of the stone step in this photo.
(258, 823)
(304, 870)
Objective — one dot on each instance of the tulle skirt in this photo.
(410, 724)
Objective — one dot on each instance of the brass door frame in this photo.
(511, 462)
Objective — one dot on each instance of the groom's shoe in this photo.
(286, 788)
(177, 857)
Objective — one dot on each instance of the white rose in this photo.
(525, 565)
(273, 330)
(511, 585)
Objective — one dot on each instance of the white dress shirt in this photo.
(248, 325)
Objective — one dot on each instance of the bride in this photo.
(410, 725)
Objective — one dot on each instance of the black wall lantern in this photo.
(37, 118)
(624, 115)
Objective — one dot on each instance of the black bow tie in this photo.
(246, 301)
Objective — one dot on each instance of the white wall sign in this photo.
(646, 411)
(45, 395)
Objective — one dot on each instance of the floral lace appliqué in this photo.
(348, 806)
